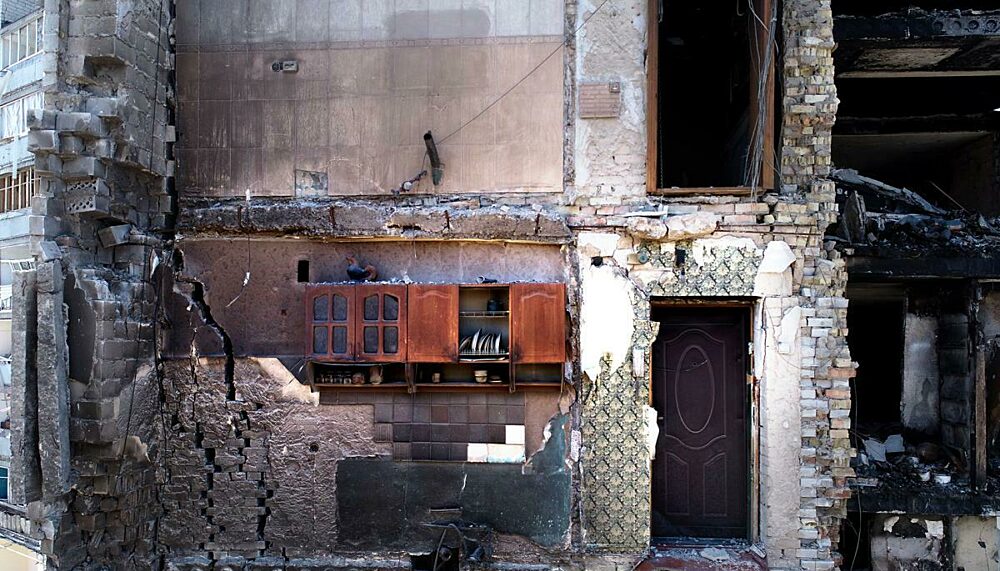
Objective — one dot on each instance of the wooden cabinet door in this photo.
(432, 323)
(380, 333)
(330, 312)
(538, 323)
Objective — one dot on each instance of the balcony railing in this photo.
(16, 190)
(14, 115)
(21, 41)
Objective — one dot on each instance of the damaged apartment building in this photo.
(917, 156)
(510, 284)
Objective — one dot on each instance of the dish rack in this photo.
(481, 345)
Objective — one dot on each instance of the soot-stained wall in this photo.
(267, 316)
(372, 78)
(387, 502)
(253, 477)
(273, 473)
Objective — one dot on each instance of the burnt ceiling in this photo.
(913, 41)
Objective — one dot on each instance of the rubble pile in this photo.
(878, 215)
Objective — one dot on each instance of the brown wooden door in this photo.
(380, 323)
(701, 473)
(432, 323)
(330, 318)
(538, 323)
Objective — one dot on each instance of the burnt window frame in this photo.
(769, 167)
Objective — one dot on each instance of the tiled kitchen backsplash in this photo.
(461, 427)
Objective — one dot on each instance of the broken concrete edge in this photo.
(371, 220)
(193, 290)
(291, 389)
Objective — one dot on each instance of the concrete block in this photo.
(26, 478)
(86, 124)
(70, 144)
(83, 167)
(104, 107)
(53, 410)
(39, 119)
(114, 235)
(43, 141)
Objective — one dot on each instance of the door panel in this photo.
(538, 323)
(381, 325)
(330, 311)
(432, 323)
(701, 473)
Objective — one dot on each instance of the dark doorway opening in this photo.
(875, 323)
(711, 104)
(701, 473)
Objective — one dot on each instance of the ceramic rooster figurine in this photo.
(358, 273)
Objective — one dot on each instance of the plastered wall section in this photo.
(221, 266)
(803, 368)
(609, 159)
(615, 369)
(371, 79)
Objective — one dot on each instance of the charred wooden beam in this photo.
(917, 23)
(926, 267)
(851, 177)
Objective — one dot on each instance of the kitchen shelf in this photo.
(533, 385)
(416, 330)
(488, 314)
(484, 356)
(364, 387)
(461, 385)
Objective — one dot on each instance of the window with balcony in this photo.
(21, 41)
(14, 115)
(16, 190)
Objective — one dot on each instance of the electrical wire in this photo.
(755, 158)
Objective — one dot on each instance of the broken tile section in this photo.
(443, 426)
(505, 453)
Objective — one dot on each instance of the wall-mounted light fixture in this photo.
(287, 66)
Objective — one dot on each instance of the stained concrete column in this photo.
(25, 474)
(53, 385)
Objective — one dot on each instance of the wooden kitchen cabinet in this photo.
(356, 323)
(425, 326)
(432, 323)
(381, 323)
(330, 322)
(538, 323)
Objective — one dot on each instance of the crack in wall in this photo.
(197, 299)
(239, 418)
